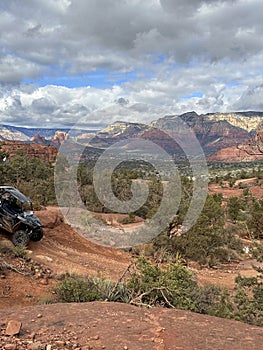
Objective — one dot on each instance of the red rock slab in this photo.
(115, 326)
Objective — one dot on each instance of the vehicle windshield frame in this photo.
(22, 201)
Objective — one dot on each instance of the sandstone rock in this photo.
(44, 281)
(13, 327)
(36, 346)
(44, 257)
(60, 137)
(47, 153)
(60, 344)
(10, 347)
(50, 220)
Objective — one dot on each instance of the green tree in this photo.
(234, 206)
(207, 241)
(255, 220)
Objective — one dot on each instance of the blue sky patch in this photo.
(100, 79)
(198, 94)
(232, 84)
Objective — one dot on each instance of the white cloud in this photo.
(211, 50)
(252, 96)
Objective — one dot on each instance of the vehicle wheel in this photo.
(20, 238)
(36, 235)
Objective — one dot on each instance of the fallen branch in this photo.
(167, 301)
(13, 268)
(132, 302)
(138, 300)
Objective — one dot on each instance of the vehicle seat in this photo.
(9, 209)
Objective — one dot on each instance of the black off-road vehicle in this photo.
(17, 217)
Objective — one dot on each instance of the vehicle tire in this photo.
(20, 238)
(36, 235)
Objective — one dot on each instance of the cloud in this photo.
(253, 96)
(87, 35)
(122, 101)
(169, 49)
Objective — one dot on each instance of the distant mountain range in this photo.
(18, 133)
(214, 131)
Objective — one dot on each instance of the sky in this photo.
(65, 61)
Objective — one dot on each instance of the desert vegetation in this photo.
(172, 286)
(160, 276)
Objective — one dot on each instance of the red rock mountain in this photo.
(248, 151)
(219, 135)
(46, 153)
(213, 131)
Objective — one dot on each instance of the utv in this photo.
(17, 217)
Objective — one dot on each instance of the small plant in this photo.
(257, 251)
(20, 252)
(249, 292)
(163, 255)
(74, 288)
(45, 300)
(171, 287)
(130, 219)
(248, 299)
(214, 301)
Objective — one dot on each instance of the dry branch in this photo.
(13, 268)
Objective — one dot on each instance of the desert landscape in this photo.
(131, 175)
(27, 284)
(32, 315)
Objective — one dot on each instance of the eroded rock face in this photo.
(213, 131)
(259, 134)
(46, 153)
(249, 151)
(240, 153)
(59, 138)
(49, 218)
(39, 139)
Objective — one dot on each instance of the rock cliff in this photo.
(46, 153)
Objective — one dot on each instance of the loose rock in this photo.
(13, 327)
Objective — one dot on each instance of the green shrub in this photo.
(249, 293)
(207, 242)
(170, 287)
(213, 301)
(176, 287)
(255, 220)
(74, 288)
(20, 252)
(249, 308)
(257, 251)
(130, 219)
